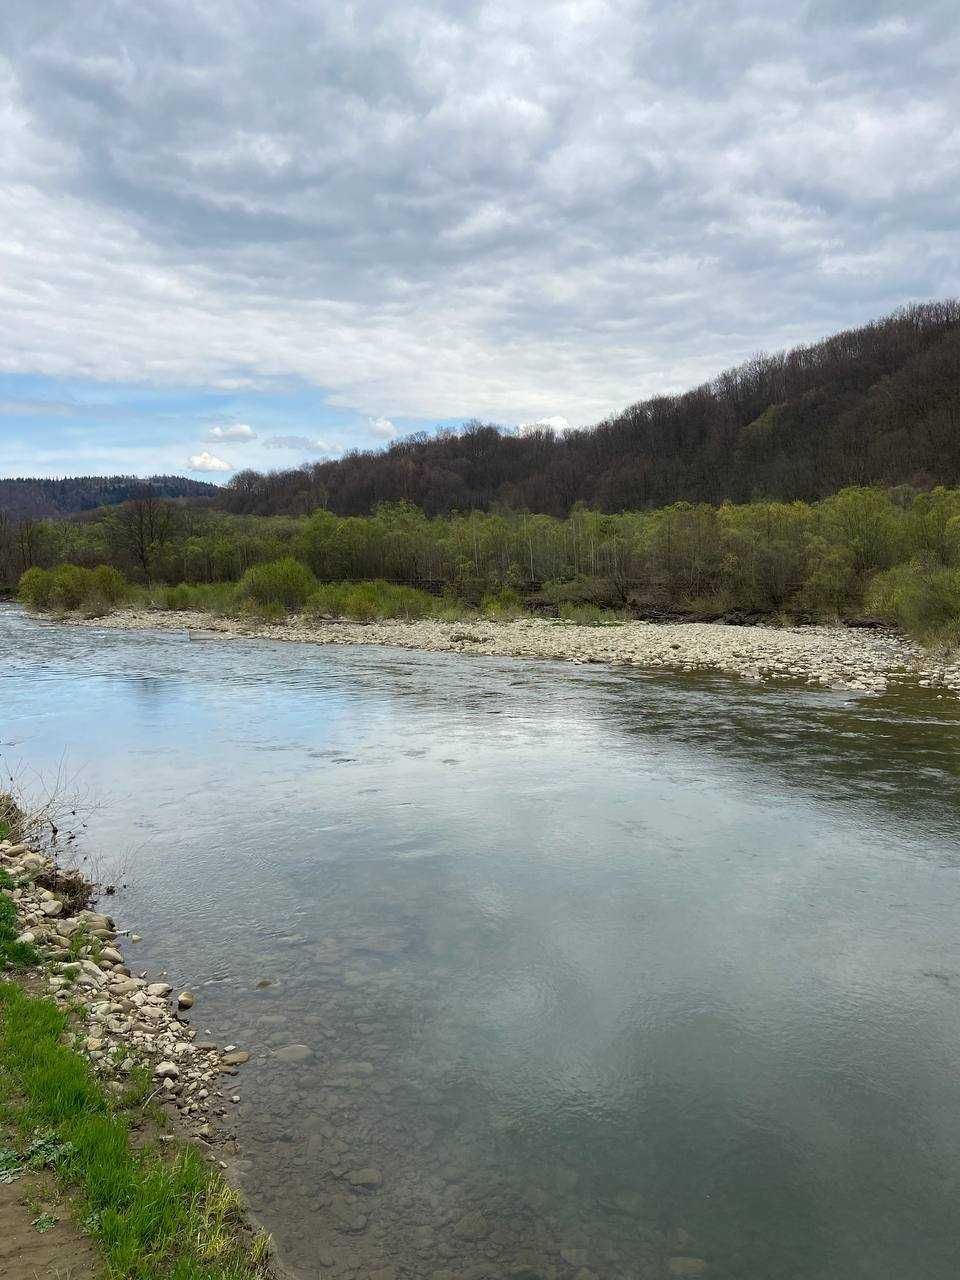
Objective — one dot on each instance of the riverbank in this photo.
(106, 1089)
(832, 657)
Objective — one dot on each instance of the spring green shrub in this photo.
(70, 584)
(36, 588)
(369, 601)
(108, 583)
(584, 615)
(501, 606)
(286, 583)
(921, 598)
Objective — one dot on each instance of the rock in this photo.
(686, 1266)
(348, 1214)
(159, 989)
(293, 1053)
(235, 1099)
(185, 1000)
(264, 983)
(473, 1226)
(111, 954)
(53, 908)
(135, 937)
(370, 1179)
(167, 1071)
(235, 1059)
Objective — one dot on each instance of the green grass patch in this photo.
(155, 1215)
(13, 954)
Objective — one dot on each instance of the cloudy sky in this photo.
(240, 234)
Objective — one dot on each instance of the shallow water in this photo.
(647, 976)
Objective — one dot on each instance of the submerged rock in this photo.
(293, 1053)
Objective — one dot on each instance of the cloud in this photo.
(240, 433)
(556, 423)
(301, 443)
(383, 428)
(207, 462)
(463, 210)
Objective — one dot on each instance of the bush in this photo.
(108, 583)
(178, 597)
(585, 615)
(36, 588)
(501, 606)
(368, 601)
(70, 585)
(922, 599)
(285, 583)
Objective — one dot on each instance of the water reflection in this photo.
(590, 971)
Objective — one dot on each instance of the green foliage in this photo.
(71, 587)
(922, 598)
(286, 583)
(370, 601)
(108, 583)
(155, 1215)
(763, 558)
(13, 954)
(36, 588)
(502, 605)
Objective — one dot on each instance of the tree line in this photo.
(873, 406)
(863, 550)
(37, 498)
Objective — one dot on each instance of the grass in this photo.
(13, 954)
(155, 1216)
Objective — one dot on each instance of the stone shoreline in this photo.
(832, 657)
(125, 1020)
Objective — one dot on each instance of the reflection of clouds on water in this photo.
(636, 965)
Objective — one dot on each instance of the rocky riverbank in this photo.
(834, 657)
(131, 1029)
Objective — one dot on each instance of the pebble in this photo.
(185, 1000)
(832, 656)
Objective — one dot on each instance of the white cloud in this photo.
(556, 423)
(207, 462)
(302, 444)
(239, 433)
(383, 428)
(463, 210)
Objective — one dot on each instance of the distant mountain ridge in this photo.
(875, 405)
(34, 499)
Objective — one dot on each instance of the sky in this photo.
(235, 234)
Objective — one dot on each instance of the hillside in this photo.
(31, 499)
(875, 405)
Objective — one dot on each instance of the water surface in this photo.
(647, 976)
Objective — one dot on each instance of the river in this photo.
(596, 974)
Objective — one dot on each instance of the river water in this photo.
(600, 975)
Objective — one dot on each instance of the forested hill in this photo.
(877, 405)
(35, 499)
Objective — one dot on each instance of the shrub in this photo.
(286, 583)
(922, 599)
(70, 585)
(36, 588)
(179, 597)
(108, 583)
(501, 606)
(585, 615)
(368, 601)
